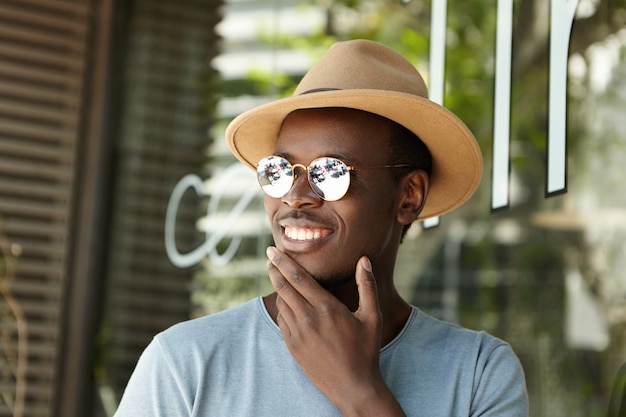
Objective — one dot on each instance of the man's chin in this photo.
(328, 280)
(334, 282)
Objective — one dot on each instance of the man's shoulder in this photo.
(219, 326)
(430, 342)
(433, 331)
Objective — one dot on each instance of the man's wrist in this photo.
(375, 400)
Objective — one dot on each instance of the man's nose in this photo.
(301, 194)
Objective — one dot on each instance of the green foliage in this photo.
(264, 84)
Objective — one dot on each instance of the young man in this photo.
(347, 163)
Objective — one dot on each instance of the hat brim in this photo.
(457, 160)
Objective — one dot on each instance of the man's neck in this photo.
(394, 309)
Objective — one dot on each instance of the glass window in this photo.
(542, 273)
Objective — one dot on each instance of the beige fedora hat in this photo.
(367, 75)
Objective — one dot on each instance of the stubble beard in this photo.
(333, 282)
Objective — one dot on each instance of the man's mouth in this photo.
(305, 233)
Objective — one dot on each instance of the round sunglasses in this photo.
(328, 177)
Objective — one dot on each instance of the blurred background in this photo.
(122, 211)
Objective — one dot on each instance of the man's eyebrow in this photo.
(285, 155)
(343, 157)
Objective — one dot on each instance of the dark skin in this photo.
(332, 267)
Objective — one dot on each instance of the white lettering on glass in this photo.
(437, 64)
(213, 236)
(561, 19)
(502, 106)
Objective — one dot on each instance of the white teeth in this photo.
(302, 234)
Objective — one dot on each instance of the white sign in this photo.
(222, 185)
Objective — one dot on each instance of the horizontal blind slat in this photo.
(36, 150)
(41, 37)
(34, 169)
(11, 127)
(39, 56)
(33, 228)
(52, 96)
(42, 76)
(35, 190)
(78, 9)
(38, 112)
(41, 17)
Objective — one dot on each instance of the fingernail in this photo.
(366, 264)
(270, 252)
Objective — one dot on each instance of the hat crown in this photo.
(363, 65)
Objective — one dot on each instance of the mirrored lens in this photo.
(275, 175)
(329, 178)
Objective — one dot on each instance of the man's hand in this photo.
(337, 349)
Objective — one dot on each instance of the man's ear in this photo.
(415, 189)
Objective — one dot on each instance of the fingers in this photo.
(288, 278)
(284, 317)
(291, 281)
(368, 293)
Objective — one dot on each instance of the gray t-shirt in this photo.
(236, 364)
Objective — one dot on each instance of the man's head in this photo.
(324, 231)
(368, 76)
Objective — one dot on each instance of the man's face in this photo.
(328, 237)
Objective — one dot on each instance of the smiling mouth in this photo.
(304, 234)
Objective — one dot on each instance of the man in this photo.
(347, 163)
